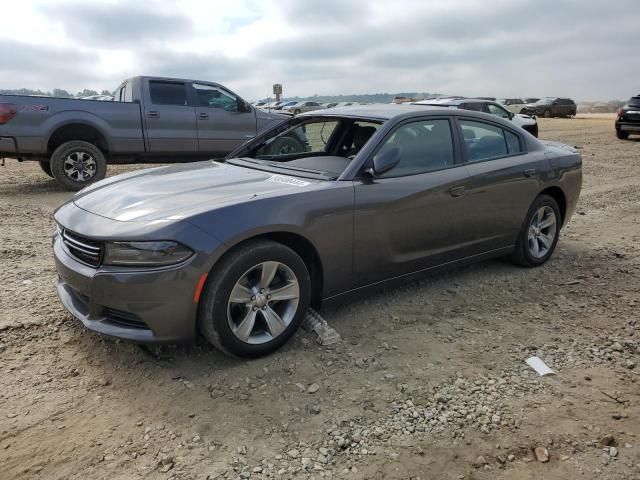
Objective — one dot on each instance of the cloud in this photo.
(468, 47)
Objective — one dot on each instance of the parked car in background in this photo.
(628, 119)
(305, 106)
(283, 104)
(531, 100)
(528, 123)
(239, 250)
(552, 107)
(152, 120)
(514, 105)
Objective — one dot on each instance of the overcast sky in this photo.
(586, 49)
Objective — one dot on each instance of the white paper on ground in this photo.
(539, 366)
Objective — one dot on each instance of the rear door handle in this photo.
(153, 114)
(203, 116)
(529, 172)
(456, 191)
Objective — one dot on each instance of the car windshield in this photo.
(320, 147)
(634, 101)
(545, 101)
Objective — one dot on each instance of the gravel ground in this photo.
(428, 382)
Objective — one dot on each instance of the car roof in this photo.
(380, 111)
(453, 101)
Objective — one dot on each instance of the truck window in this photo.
(127, 93)
(167, 93)
(215, 97)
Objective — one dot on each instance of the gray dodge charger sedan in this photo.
(319, 207)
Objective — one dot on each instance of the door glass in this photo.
(167, 93)
(425, 146)
(127, 92)
(513, 142)
(496, 110)
(214, 97)
(482, 141)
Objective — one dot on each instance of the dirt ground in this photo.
(429, 381)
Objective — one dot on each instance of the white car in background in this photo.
(527, 122)
(305, 106)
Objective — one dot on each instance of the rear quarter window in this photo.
(167, 93)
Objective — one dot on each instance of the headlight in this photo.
(155, 254)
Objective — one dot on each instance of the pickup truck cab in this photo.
(150, 120)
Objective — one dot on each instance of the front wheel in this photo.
(547, 113)
(254, 299)
(539, 233)
(77, 163)
(622, 135)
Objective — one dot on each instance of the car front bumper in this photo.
(155, 305)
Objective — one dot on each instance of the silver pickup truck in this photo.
(151, 120)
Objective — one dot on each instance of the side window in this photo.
(167, 93)
(425, 146)
(117, 95)
(513, 142)
(498, 111)
(475, 107)
(215, 97)
(482, 141)
(127, 93)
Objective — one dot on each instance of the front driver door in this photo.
(224, 120)
(412, 217)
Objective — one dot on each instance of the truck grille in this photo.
(82, 248)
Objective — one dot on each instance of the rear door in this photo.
(224, 120)
(412, 217)
(504, 181)
(169, 117)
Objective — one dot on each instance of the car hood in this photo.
(521, 119)
(177, 192)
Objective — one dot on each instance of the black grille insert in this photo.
(82, 248)
(124, 319)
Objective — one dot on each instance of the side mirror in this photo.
(511, 115)
(243, 107)
(383, 162)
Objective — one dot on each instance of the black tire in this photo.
(297, 111)
(46, 167)
(89, 158)
(523, 111)
(213, 320)
(547, 113)
(622, 135)
(522, 254)
(286, 146)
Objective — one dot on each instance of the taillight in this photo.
(620, 113)
(7, 112)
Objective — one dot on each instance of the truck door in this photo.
(225, 121)
(169, 118)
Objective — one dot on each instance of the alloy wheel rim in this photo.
(263, 303)
(542, 232)
(80, 166)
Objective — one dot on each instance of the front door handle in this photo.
(203, 116)
(456, 191)
(529, 172)
(153, 114)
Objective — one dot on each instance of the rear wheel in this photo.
(255, 299)
(539, 233)
(622, 135)
(77, 163)
(46, 167)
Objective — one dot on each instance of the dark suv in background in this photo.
(551, 107)
(628, 119)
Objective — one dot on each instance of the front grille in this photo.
(82, 248)
(124, 319)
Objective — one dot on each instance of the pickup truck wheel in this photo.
(46, 168)
(254, 299)
(77, 164)
(286, 146)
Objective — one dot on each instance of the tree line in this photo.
(57, 92)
